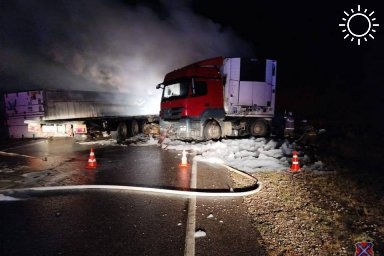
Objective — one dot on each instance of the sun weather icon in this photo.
(359, 25)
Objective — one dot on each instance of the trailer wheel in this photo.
(212, 130)
(259, 128)
(142, 125)
(122, 132)
(133, 128)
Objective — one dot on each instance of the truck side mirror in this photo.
(159, 86)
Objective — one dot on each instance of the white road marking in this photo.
(25, 145)
(15, 154)
(191, 220)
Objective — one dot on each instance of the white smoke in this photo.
(107, 46)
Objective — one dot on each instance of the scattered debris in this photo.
(110, 142)
(249, 155)
(200, 233)
(151, 129)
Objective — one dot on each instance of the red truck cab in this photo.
(195, 98)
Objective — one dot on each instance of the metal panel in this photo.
(79, 128)
(61, 129)
(261, 93)
(253, 98)
(24, 98)
(231, 71)
(269, 95)
(24, 104)
(34, 128)
(255, 94)
(19, 131)
(54, 129)
(270, 72)
(233, 99)
(63, 105)
(227, 131)
(15, 121)
(49, 128)
(25, 110)
(245, 93)
(234, 73)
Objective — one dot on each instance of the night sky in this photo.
(319, 73)
(129, 45)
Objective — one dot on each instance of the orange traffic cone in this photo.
(91, 160)
(184, 162)
(295, 167)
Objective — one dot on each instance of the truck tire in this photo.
(122, 132)
(259, 128)
(133, 128)
(142, 124)
(212, 130)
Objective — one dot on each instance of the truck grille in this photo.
(171, 113)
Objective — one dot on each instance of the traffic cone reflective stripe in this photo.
(295, 166)
(91, 160)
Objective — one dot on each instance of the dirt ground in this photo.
(317, 213)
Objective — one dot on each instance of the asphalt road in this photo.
(117, 222)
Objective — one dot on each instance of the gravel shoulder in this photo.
(317, 213)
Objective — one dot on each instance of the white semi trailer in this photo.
(45, 113)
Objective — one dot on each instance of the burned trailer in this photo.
(79, 114)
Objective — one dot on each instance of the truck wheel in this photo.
(133, 128)
(259, 128)
(212, 130)
(142, 125)
(122, 132)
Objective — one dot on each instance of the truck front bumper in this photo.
(183, 129)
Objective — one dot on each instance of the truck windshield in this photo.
(176, 90)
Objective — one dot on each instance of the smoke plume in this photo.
(105, 45)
